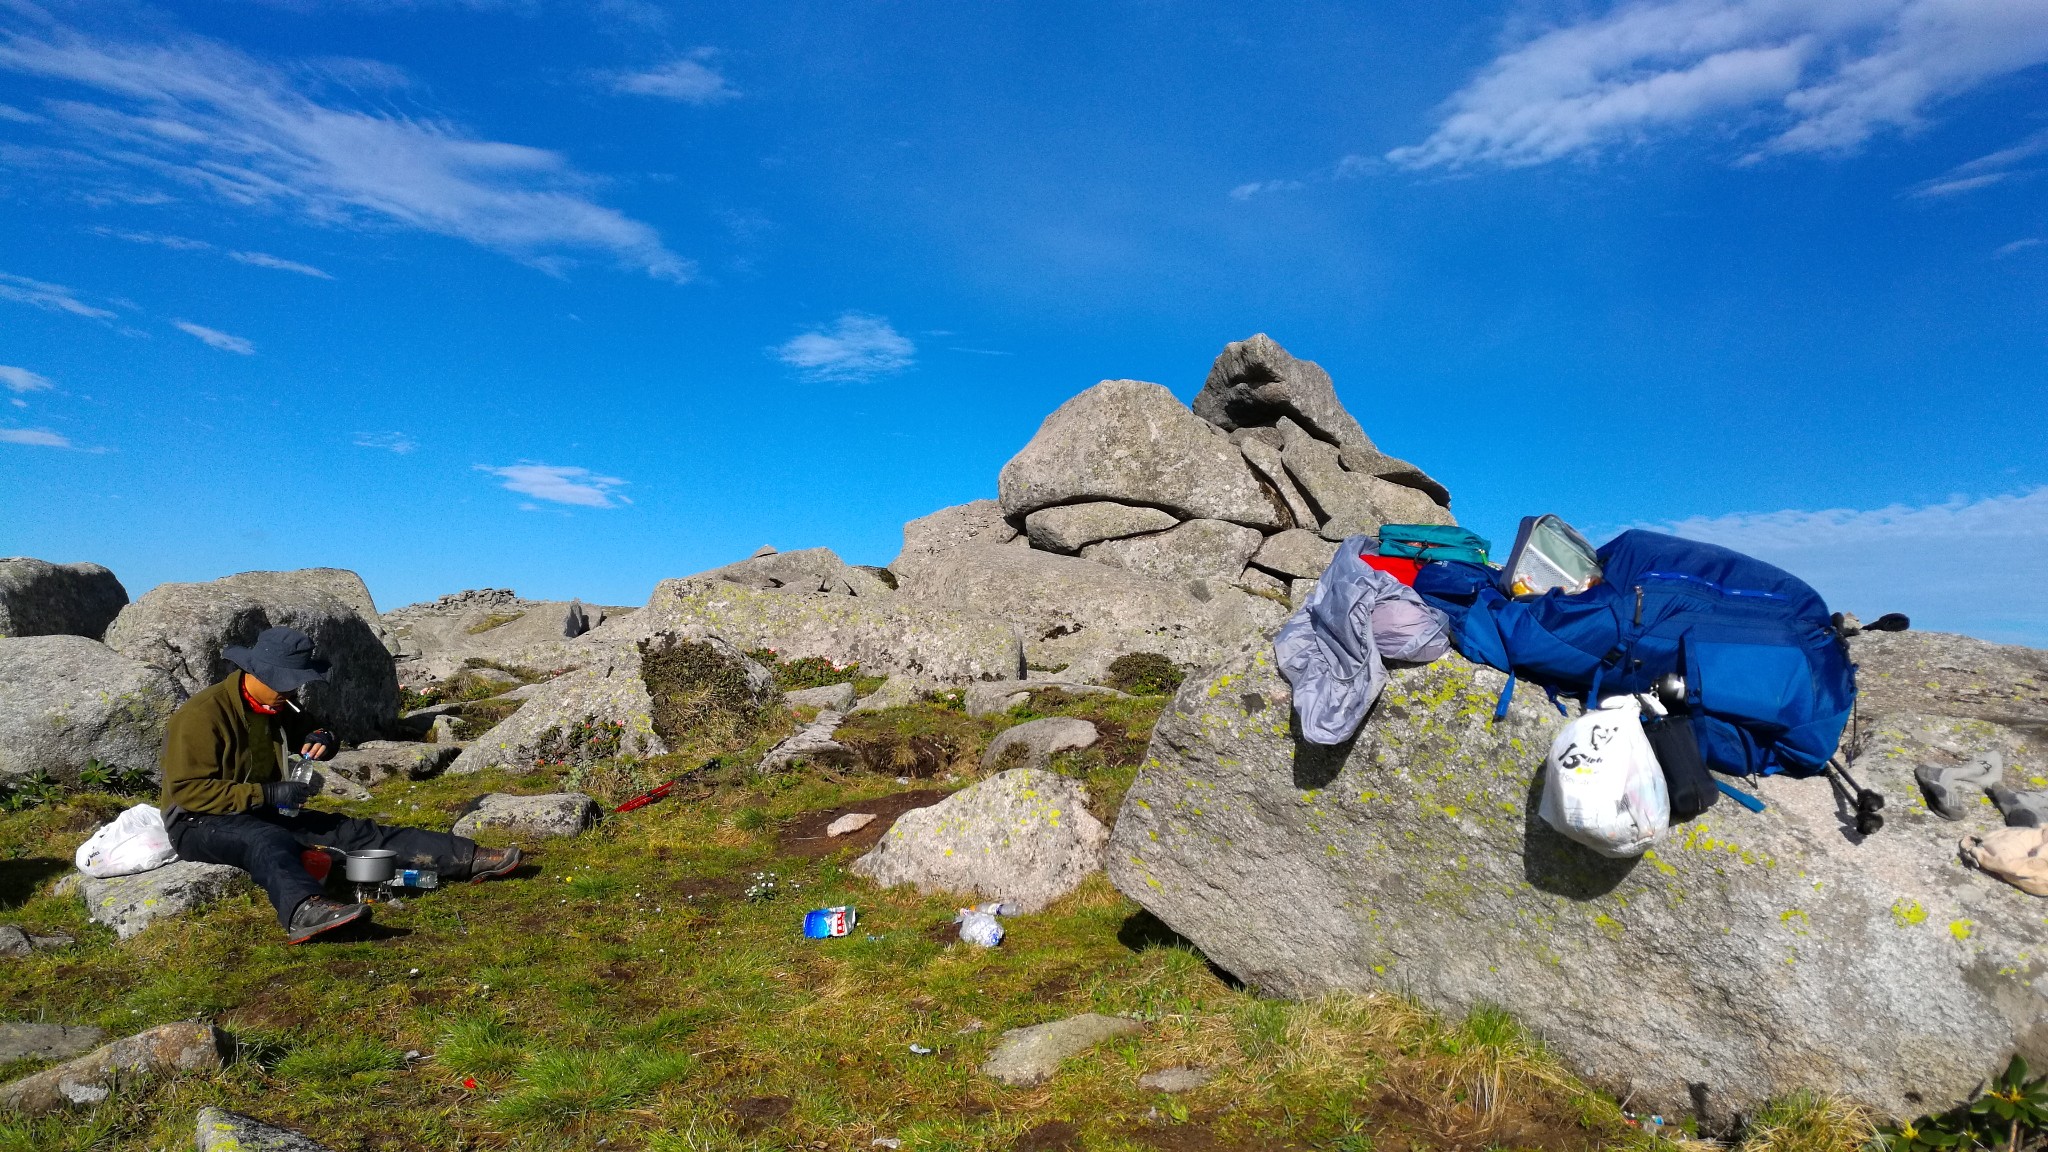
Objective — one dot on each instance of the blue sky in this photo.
(574, 297)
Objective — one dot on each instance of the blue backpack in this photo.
(1767, 679)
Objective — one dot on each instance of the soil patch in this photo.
(758, 1112)
(805, 836)
(1051, 1136)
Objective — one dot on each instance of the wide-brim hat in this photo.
(283, 658)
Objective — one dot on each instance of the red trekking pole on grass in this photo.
(662, 792)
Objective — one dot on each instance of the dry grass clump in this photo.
(494, 620)
(1810, 1122)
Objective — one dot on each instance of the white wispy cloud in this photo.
(162, 240)
(206, 116)
(2005, 250)
(22, 380)
(560, 485)
(1987, 170)
(1920, 560)
(1820, 75)
(691, 79)
(266, 260)
(397, 442)
(34, 437)
(856, 347)
(215, 338)
(48, 297)
(1258, 187)
(10, 113)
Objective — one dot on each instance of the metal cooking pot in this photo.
(372, 866)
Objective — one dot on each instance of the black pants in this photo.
(267, 845)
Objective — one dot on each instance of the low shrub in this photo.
(1144, 674)
(701, 697)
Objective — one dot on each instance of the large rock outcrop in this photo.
(934, 534)
(1745, 956)
(38, 598)
(181, 630)
(67, 702)
(1135, 443)
(433, 640)
(1076, 616)
(884, 632)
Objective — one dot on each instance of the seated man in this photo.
(229, 800)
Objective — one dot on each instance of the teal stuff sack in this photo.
(1428, 542)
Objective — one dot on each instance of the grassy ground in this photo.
(624, 993)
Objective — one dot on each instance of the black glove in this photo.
(325, 739)
(287, 793)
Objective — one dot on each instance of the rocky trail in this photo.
(1062, 699)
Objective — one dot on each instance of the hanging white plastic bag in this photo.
(134, 842)
(1602, 785)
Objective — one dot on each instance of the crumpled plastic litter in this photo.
(979, 926)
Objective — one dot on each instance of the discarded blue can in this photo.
(825, 923)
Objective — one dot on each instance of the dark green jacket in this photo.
(220, 752)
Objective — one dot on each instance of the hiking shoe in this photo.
(318, 914)
(491, 863)
(2021, 809)
(1943, 789)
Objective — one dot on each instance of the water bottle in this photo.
(301, 770)
(415, 878)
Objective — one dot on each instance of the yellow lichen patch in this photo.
(1962, 929)
(1906, 913)
(1608, 924)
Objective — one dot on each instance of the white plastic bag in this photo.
(134, 842)
(979, 926)
(1602, 785)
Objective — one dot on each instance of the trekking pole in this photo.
(1866, 802)
(662, 792)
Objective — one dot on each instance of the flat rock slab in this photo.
(1032, 743)
(1028, 1056)
(375, 761)
(1197, 550)
(1071, 527)
(993, 696)
(551, 814)
(830, 698)
(850, 823)
(1175, 1079)
(188, 1046)
(223, 1131)
(128, 904)
(812, 743)
(46, 1041)
(17, 941)
(1024, 837)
